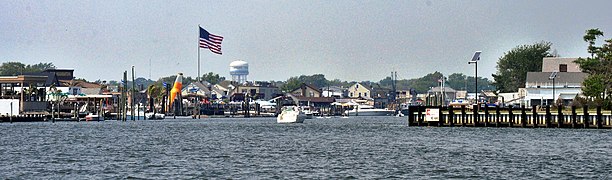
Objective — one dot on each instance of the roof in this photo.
(439, 89)
(562, 77)
(82, 84)
(313, 87)
(226, 84)
(315, 99)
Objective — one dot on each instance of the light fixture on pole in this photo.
(552, 77)
(474, 61)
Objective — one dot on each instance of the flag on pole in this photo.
(210, 41)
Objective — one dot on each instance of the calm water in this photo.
(358, 147)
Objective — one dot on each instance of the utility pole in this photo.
(133, 93)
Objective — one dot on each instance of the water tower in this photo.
(239, 70)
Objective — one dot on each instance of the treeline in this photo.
(17, 68)
(457, 81)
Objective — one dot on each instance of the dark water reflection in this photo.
(357, 147)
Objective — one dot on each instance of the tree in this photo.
(512, 68)
(291, 84)
(17, 68)
(212, 78)
(599, 82)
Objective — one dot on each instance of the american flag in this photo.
(210, 41)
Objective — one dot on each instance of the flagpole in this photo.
(198, 78)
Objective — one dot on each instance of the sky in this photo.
(353, 40)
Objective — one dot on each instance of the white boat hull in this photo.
(371, 112)
(291, 115)
(155, 116)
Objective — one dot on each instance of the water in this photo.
(357, 147)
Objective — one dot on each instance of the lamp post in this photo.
(552, 77)
(474, 61)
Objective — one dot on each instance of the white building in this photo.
(567, 83)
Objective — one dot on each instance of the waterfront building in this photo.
(334, 91)
(307, 90)
(359, 90)
(567, 85)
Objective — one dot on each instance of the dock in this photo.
(516, 117)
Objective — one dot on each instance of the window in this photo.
(351, 94)
(365, 94)
(562, 67)
(359, 94)
(356, 86)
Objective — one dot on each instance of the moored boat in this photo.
(367, 110)
(291, 114)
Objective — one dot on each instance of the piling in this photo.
(497, 116)
(599, 118)
(486, 118)
(475, 116)
(574, 117)
(523, 117)
(548, 116)
(451, 117)
(534, 119)
(463, 115)
(585, 116)
(510, 117)
(560, 118)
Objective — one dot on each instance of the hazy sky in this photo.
(347, 40)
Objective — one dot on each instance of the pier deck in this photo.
(510, 117)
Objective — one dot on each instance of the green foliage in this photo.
(17, 68)
(512, 68)
(598, 84)
(291, 84)
(594, 86)
(212, 78)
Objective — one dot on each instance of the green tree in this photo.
(512, 68)
(599, 82)
(315, 79)
(17, 68)
(291, 84)
(212, 78)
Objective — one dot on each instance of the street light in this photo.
(474, 61)
(552, 77)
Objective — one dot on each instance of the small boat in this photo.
(291, 114)
(94, 117)
(367, 110)
(308, 112)
(155, 116)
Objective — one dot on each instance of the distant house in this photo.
(197, 89)
(222, 89)
(257, 90)
(307, 90)
(358, 90)
(334, 91)
(557, 64)
(539, 87)
(442, 95)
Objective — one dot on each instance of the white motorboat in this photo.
(154, 116)
(291, 114)
(94, 117)
(308, 112)
(367, 110)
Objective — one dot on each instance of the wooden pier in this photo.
(509, 117)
